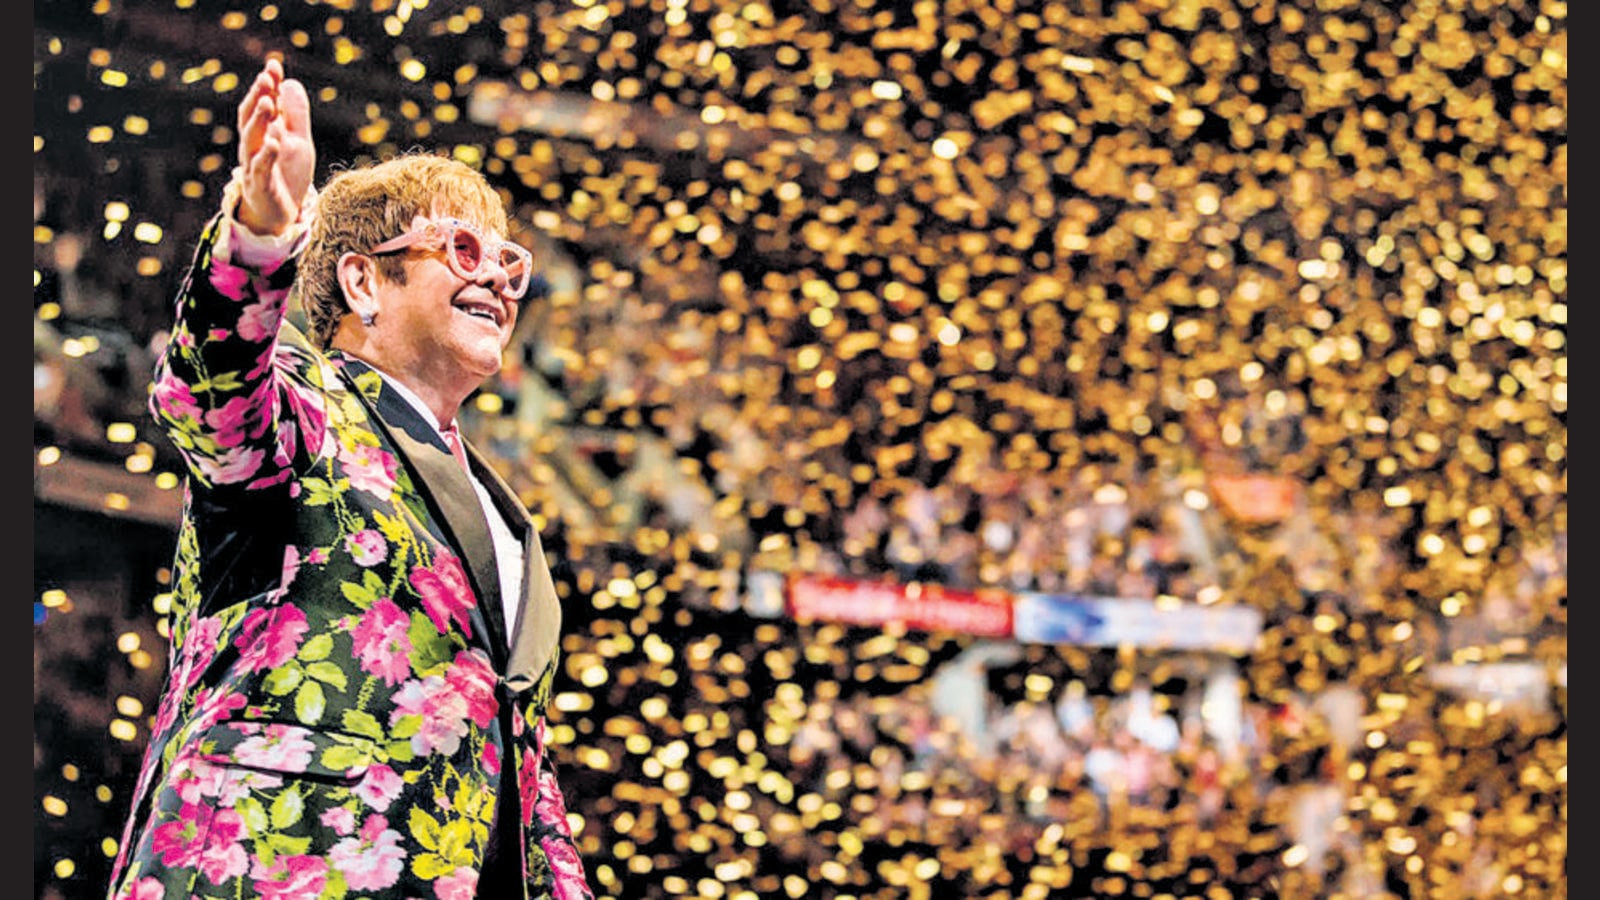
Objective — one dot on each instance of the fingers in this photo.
(259, 170)
(265, 206)
(256, 113)
(295, 106)
(265, 85)
(275, 153)
(253, 129)
(262, 104)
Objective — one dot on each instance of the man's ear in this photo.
(358, 274)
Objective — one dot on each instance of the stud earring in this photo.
(367, 318)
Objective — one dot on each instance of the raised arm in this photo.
(217, 390)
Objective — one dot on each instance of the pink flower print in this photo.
(472, 677)
(549, 805)
(462, 884)
(371, 861)
(166, 713)
(541, 734)
(566, 870)
(174, 841)
(375, 828)
(278, 748)
(239, 418)
(442, 710)
(147, 888)
(198, 780)
(290, 877)
(528, 785)
(317, 556)
(491, 759)
(199, 648)
(259, 321)
(231, 466)
(180, 842)
(340, 819)
(283, 450)
(275, 477)
(265, 361)
(212, 705)
(370, 469)
(229, 280)
(174, 401)
(444, 592)
(379, 787)
(224, 855)
(306, 408)
(367, 547)
(382, 645)
(268, 638)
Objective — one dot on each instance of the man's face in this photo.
(439, 328)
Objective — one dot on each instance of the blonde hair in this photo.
(359, 208)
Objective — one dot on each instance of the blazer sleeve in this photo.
(224, 389)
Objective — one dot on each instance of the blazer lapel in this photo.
(538, 627)
(449, 492)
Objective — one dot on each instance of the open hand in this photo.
(276, 153)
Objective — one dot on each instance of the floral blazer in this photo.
(343, 704)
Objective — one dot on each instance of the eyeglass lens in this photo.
(467, 249)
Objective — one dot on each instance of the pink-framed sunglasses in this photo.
(467, 251)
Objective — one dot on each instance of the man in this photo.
(364, 628)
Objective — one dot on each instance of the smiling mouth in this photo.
(480, 312)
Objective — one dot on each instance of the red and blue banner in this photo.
(913, 606)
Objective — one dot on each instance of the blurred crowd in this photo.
(1228, 301)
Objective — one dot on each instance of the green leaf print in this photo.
(292, 846)
(455, 843)
(310, 703)
(317, 492)
(425, 828)
(406, 726)
(360, 596)
(227, 381)
(253, 814)
(345, 756)
(329, 674)
(287, 809)
(394, 529)
(335, 887)
(429, 648)
(471, 798)
(357, 721)
(429, 866)
(317, 648)
(369, 383)
(282, 681)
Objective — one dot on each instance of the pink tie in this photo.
(452, 436)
